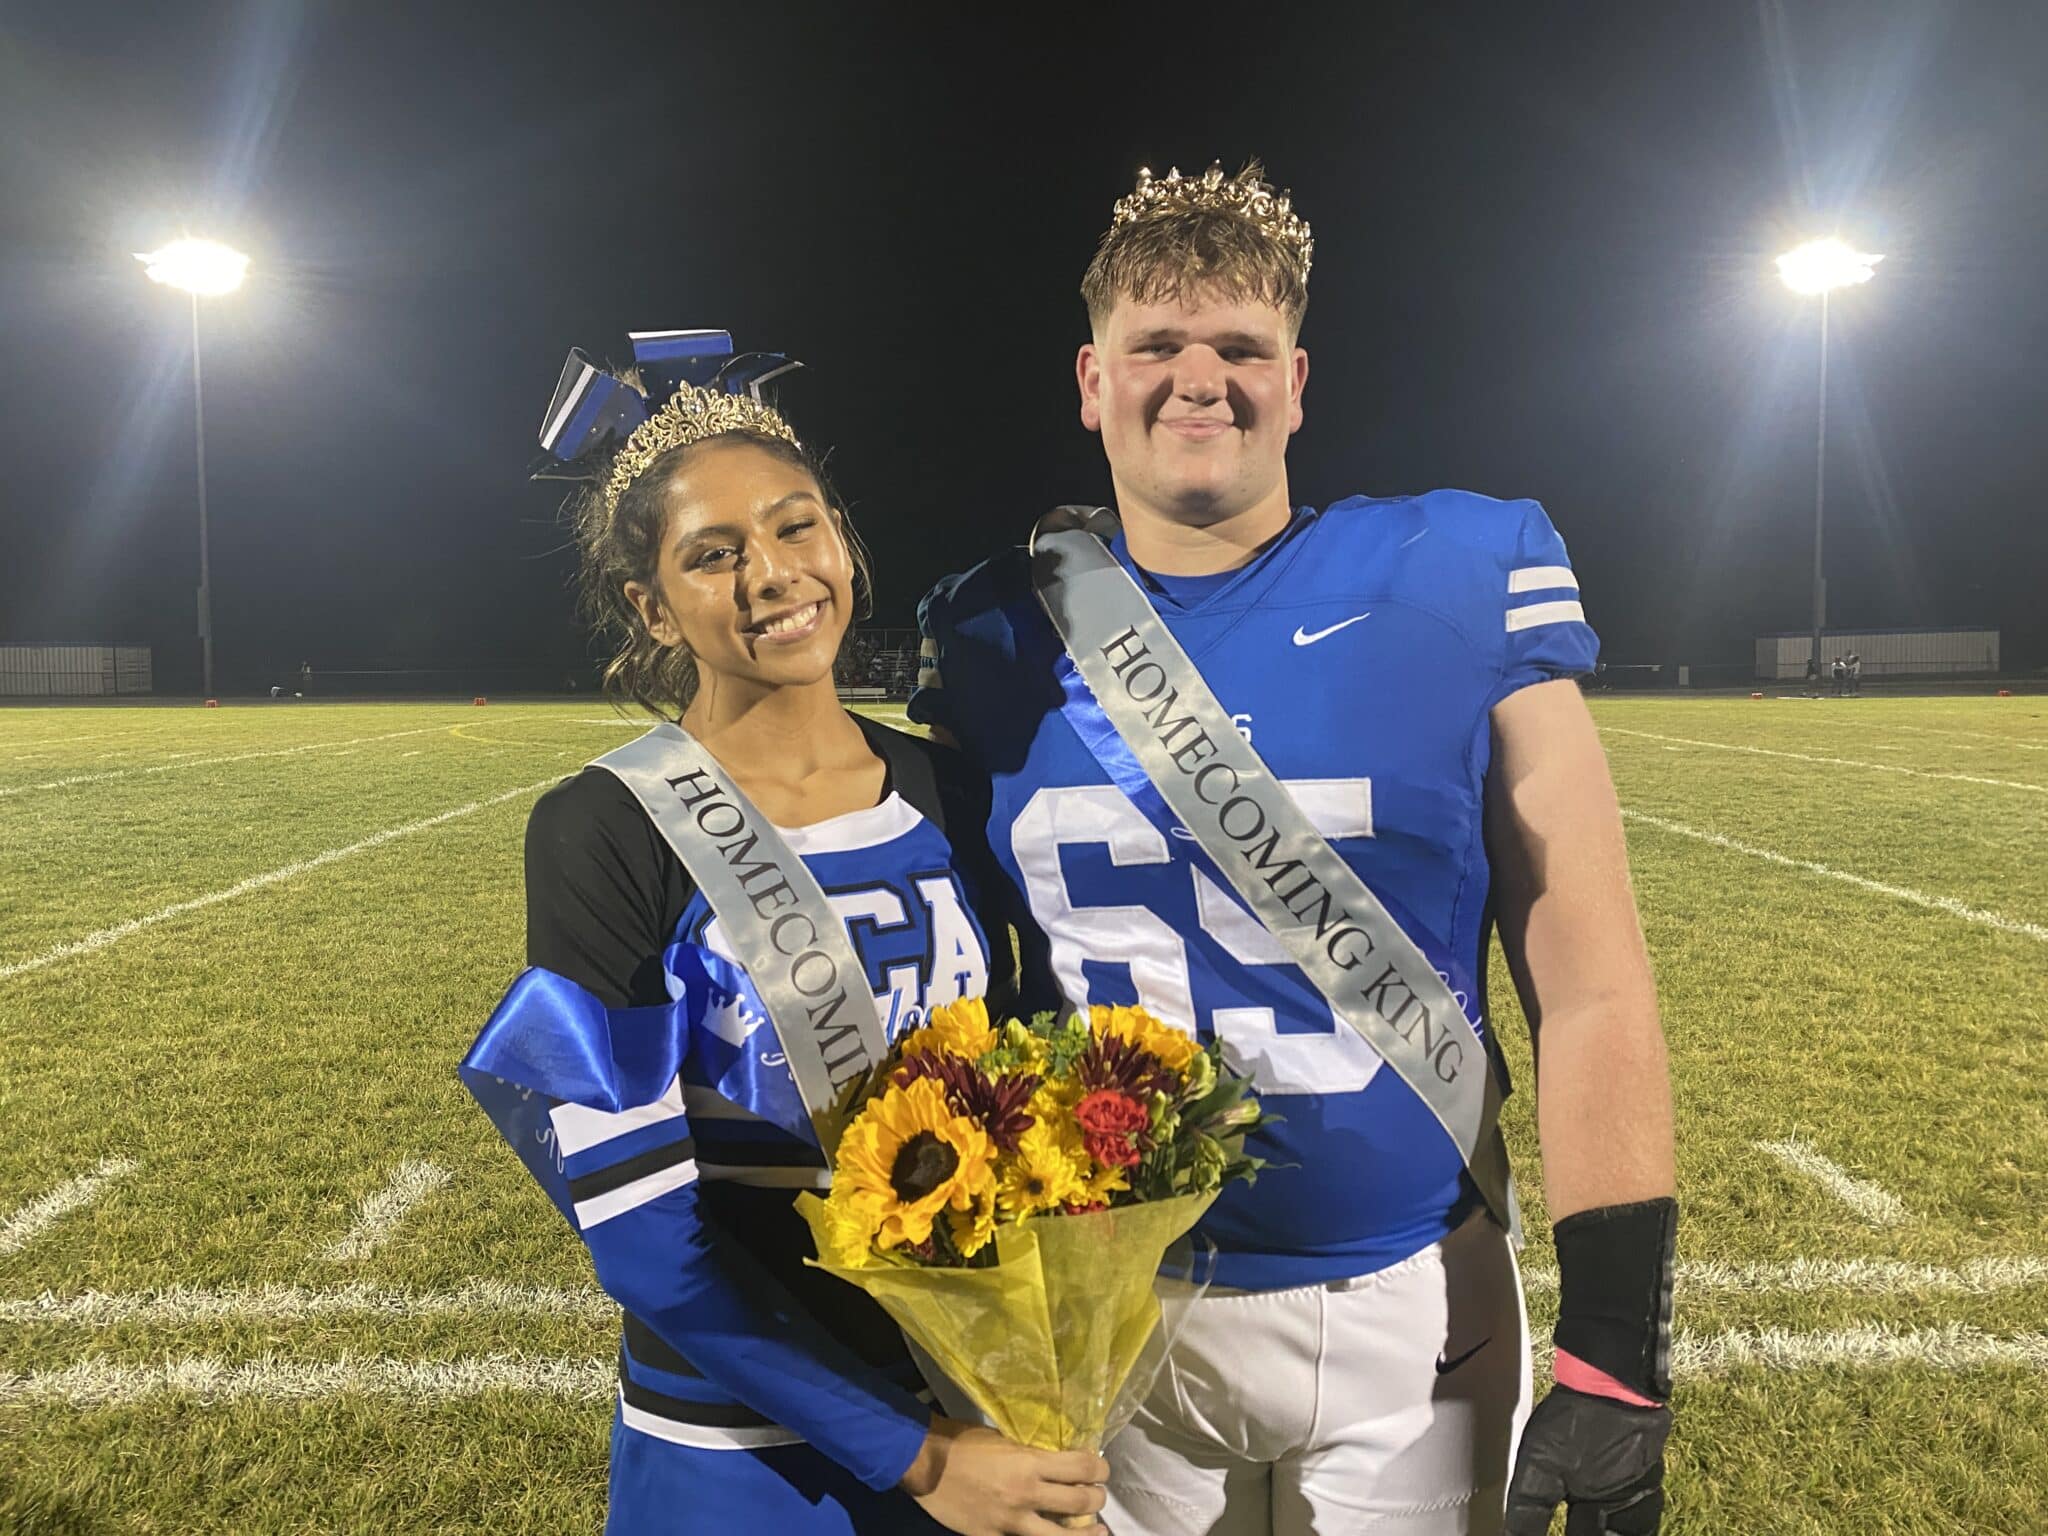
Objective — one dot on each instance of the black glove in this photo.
(1596, 1443)
(1603, 1458)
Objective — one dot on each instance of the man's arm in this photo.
(1603, 1112)
(1567, 922)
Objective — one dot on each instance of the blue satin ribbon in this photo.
(551, 1041)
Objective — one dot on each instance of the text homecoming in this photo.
(1237, 796)
(792, 932)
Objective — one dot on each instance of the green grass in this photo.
(267, 1060)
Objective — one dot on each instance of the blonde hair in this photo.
(1179, 253)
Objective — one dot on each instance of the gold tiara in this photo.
(1245, 194)
(690, 416)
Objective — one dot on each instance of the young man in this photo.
(1403, 666)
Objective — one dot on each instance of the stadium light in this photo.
(204, 269)
(1820, 267)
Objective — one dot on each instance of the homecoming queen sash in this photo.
(778, 922)
(1376, 979)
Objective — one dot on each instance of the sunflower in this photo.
(960, 1029)
(907, 1157)
(1048, 1170)
(1176, 1048)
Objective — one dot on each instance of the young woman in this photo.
(754, 1393)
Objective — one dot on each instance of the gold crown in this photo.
(690, 416)
(1244, 194)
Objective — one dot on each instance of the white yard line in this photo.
(1951, 1347)
(1832, 762)
(1861, 1277)
(179, 1305)
(28, 1222)
(285, 1304)
(1948, 904)
(1876, 1205)
(380, 1215)
(93, 1382)
(209, 762)
(135, 925)
(1929, 730)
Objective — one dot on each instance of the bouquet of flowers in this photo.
(1008, 1192)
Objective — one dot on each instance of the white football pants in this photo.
(1389, 1404)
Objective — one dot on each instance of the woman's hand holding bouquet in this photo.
(1008, 1192)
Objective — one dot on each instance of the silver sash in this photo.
(1374, 976)
(782, 928)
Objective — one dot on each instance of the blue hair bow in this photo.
(593, 407)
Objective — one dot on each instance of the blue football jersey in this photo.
(1360, 655)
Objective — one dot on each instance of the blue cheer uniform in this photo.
(754, 1391)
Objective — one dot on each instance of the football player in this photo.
(1405, 666)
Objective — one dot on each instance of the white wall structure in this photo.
(1885, 652)
(73, 671)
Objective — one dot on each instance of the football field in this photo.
(265, 1268)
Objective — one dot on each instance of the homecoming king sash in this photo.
(779, 923)
(1376, 979)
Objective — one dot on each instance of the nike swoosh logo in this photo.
(1308, 637)
(1445, 1367)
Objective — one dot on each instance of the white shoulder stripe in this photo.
(1542, 578)
(599, 1209)
(578, 1129)
(706, 1437)
(1545, 613)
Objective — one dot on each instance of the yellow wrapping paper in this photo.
(1045, 1341)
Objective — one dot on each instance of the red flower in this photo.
(1112, 1125)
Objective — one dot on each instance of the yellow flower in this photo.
(908, 1157)
(1104, 1182)
(1043, 1174)
(961, 1029)
(850, 1223)
(1052, 1103)
(973, 1228)
(1174, 1047)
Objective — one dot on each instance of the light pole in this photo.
(203, 269)
(1822, 266)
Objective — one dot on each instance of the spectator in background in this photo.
(1855, 674)
(1839, 671)
(1813, 676)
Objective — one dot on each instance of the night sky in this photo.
(1543, 242)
